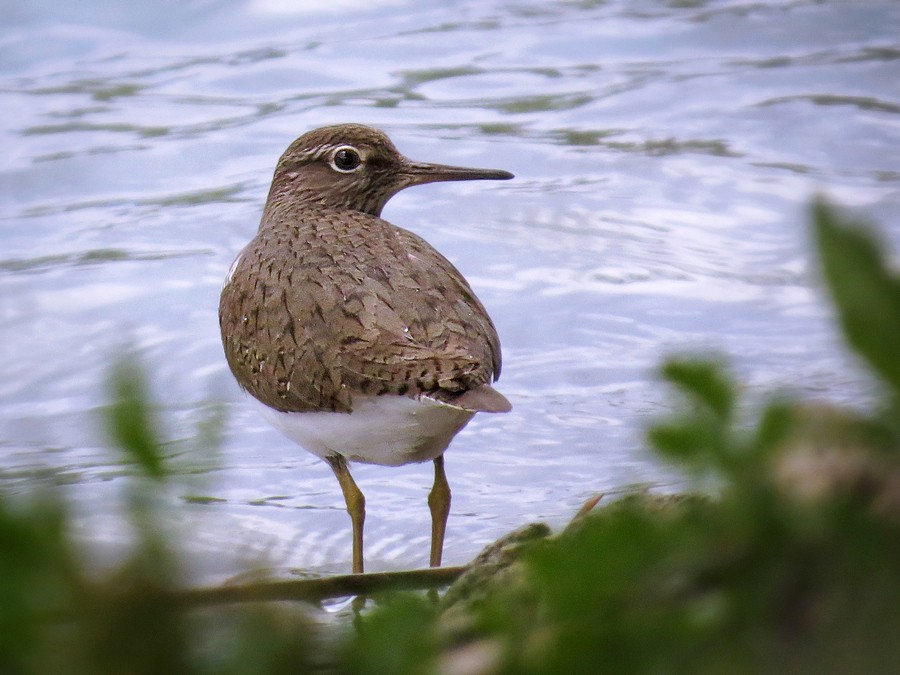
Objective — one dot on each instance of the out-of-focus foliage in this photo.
(56, 616)
(792, 564)
(865, 290)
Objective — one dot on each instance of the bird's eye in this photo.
(345, 159)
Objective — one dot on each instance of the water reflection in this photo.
(664, 153)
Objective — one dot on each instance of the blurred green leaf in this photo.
(683, 440)
(706, 382)
(865, 291)
(129, 420)
(256, 640)
(37, 575)
(700, 436)
(774, 428)
(395, 638)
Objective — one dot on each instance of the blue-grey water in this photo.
(665, 155)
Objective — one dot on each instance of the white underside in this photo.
(388, 430)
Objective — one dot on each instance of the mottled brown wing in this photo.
(315, 315)
(453, 315)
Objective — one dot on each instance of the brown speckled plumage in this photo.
(329, 300)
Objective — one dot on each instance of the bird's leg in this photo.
(356, 506)
(439, 503)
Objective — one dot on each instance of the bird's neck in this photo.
(289, 200)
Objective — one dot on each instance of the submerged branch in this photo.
(317, 590)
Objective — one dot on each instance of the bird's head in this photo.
(357, 167)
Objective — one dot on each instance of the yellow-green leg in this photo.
(439, 503)
(356, 506)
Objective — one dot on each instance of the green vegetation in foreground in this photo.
(793, 566)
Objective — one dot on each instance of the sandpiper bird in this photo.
(360, 340)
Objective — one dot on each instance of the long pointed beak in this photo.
(420, 173)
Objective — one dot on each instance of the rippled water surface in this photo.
(665, 154)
